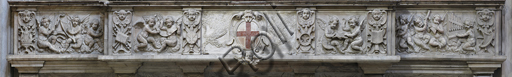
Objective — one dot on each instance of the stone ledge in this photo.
(188, 58)
(455, 57)
(257, 3)
(50, 57)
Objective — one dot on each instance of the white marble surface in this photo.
(5, 45)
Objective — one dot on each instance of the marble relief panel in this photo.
(446, 32)
(352, 32)
(156, 32)
(59, 32)
(305, 31)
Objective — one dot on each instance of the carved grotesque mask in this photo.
(26, 15)
(305, 13)
(122, 14)
(333, 24)
(45, 22)
(248, 16)
(377, 14)
(485, 15)
(191, 15)
(75, 21)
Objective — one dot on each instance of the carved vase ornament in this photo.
(306, 31)
(377, 31)
(27, 32)
(191, 31)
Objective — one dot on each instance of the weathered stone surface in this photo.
(256, 38)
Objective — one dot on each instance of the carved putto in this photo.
(60, 34)
(27, 32)
(450, 33)
(158, 34)
(122, 31)
(191, 31)
(305, 32)
(377, 31)
(485, 21)
(343, 38)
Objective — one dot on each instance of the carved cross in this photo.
(247, 33)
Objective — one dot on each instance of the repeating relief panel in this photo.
(353, 32)
(157, 32)
(446, 32)
(306, 31)
(59, 33)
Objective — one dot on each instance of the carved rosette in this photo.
(376, 31)
(27, 29)
(306, 31)
(122, 31)
(191, 31)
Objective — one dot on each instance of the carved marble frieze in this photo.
(353, 33)
(446, 32)
(157, 33)
(58, 32)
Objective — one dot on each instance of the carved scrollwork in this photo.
(27, 32)
(122, 31)
(306, 31)
(485, 21)
(191, 31)
(377, 31)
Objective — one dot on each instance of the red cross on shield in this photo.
(248, 34)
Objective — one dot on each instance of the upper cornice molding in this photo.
(257, 3)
